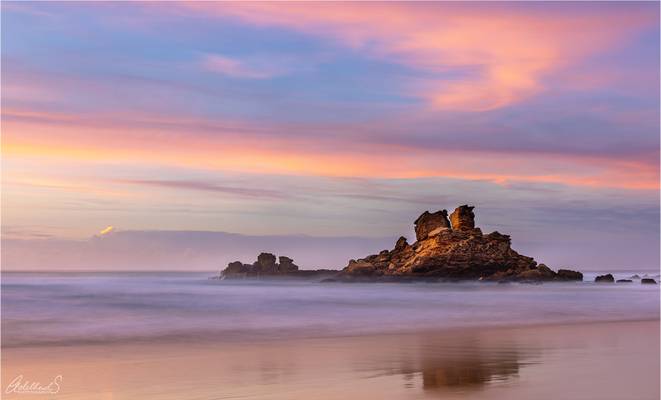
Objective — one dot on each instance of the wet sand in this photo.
(616, 360)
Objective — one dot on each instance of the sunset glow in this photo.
(266, 115)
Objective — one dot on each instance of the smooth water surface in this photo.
(79, 308)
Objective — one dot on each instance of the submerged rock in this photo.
(608, 278)
(623, 281)
(456, 251)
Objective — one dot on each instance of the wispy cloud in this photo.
(208, 187)
(238, 68)
(191, 250)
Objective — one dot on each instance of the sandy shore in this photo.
(582, 361)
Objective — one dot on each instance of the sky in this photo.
(156, 129)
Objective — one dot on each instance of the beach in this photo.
(617, 360)
(208, 339)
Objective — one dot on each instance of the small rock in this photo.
(236, 267)
(624, 281)
(544, 269)
(529, 275)
(286, 265)
(568, 275)
(648, 281)
(608, 278)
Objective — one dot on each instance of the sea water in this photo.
(40, 309)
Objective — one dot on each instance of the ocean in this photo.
(44, 309)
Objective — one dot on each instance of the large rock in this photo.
(428, 222)
(463, 218)
(461, 252)
(648, 281)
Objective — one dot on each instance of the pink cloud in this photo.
(242, 147)
(507, 49)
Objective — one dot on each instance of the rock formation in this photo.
(608, 278)
(428, 224)
(648, 281)
(445, 249)
(286, 265)
(568, 275)
(453, 251)
(463, 218)
(265, 266)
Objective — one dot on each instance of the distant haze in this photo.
(211, 251)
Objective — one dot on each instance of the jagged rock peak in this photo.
(463, 218)
(431, 223)
(401, 243)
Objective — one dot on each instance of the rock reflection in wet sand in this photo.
(581, 361)
(438, 374)
(456, 362)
